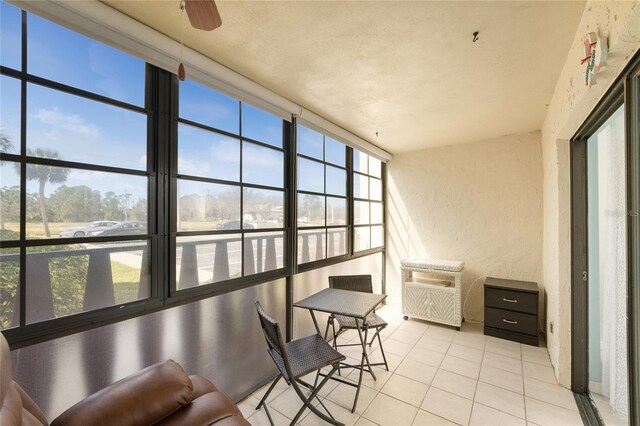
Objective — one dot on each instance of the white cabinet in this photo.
(432, 290)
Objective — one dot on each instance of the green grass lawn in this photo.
(67, 281)
(36, 229)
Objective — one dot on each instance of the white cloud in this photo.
(71, 122)
(52, 135)
(266, 158)
(225, 151)
(189, 167)
(80, 176)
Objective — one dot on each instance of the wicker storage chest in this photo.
(432, 290)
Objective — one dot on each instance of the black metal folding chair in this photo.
(363, 284)
(296, 359)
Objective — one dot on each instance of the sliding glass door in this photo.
(605, 245)
(607, 270)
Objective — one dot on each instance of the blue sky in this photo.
(310, 143)
(76, 128)
(95, 133)
(316, 177)
(59, 54)
(10, 40)
(91, 132)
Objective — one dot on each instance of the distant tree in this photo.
(5, 142)
(311, 207)
(190, 208)
(76, 204)
(111, 206)
(125, 202)
(44, 174)
(228, 204)
(211, 207)
(9, 205)
(33, 213)
(139, 210)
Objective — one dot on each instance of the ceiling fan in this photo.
(203, 15)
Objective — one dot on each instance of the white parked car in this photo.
(83, 230)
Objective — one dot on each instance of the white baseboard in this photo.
(595, 387)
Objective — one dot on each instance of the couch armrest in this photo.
(142, 398)
(210, 408)
(30, 406)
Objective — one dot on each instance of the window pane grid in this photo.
(260, 125)
(76, 185)
(306, 157)
(322, 201)
(87, 177)
(222, 132)
(242, 227)
(83, 62)
(207, 250)
(367, 202)
(322, 194)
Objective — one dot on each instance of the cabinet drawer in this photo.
(527, 339)
(511, 321)
(512, 300)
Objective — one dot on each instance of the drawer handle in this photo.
(509, 321)
(504, 299)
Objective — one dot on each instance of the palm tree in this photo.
(44, 174)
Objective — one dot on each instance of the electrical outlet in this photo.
(551, 327)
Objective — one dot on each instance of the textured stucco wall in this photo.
(480, 202)
(570, 105)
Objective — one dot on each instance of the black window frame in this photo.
(231, 284)
(325, 261)
(368, 199)
(24, 334)
(625, 90)
(161, 108)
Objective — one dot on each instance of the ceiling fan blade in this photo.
(203, 14)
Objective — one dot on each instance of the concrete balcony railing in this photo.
(305, 242)
(99, 289)
(261, 253)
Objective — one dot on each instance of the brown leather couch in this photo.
(161, 394)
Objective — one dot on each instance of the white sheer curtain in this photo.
(613, 262)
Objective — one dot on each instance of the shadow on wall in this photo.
(402, 241)
(480, 203)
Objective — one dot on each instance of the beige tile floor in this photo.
(438, 376)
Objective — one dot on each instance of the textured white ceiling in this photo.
(407, 70)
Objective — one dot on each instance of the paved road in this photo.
(205, 256)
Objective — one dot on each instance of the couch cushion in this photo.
(201, 386)
(140, 399)
(208, 409)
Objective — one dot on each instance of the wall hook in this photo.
(475, 36)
